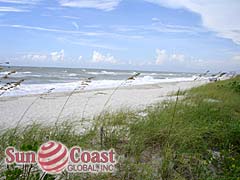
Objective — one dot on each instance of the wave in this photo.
(26, 89)
(107, 72)
(93, 73)
(27, 72)
(4, 72)
(16, 73)
(102, 73)
(72, 75)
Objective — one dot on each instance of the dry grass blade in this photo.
(114, 91)
(133, 76)
(30, 105)
(88, 99)
(5, 63)
(8, 74)
(201, 75)
(34, 101)
(222, 74)
(108, 100)
(83, 85)
(85, 106)
(173, 117)
(9, 86)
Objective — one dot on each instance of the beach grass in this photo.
(195, 137)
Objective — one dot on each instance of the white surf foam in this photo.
(26, 89)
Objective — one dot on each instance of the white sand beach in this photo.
(84, 103)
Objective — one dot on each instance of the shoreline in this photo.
(85, 103)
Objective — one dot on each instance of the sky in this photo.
(157, 35)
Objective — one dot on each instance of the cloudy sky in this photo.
(164, 35)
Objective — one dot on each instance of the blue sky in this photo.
(164, 35)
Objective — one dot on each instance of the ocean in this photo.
(38, 80)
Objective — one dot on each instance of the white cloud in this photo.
(88, 43)
(106, 5)
(71, 17)
(220, 16)
(12, 9)
(155, 19)
(178, 57)
(236, 57)
(20, 1)
(97, 57)
(16, 8)
(159, 27)
(80, 58)
(83, 33)
(177, 60)
(57, 56)
(52, 30)
(54, 56)
(162, 56)
(35, 57)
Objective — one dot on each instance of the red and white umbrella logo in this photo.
(53, 157)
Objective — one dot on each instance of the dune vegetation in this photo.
(193, 137)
